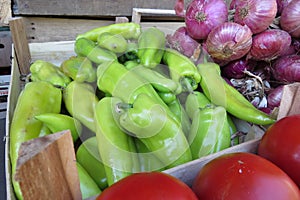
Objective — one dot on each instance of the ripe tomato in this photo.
(148, 185)
(281, 145)
(244, 176)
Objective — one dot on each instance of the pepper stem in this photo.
(186, 84)
(122, 107)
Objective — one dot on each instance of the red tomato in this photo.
(148, 185)
(281, 145)
(243, 176)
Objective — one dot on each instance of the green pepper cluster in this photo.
(131, 104)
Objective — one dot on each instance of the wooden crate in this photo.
(56, 52)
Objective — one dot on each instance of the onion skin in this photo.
(290, 18)
(229, 41)
(274, 97)
(183, 42)
(237, 68)
(270, 44)
(281, 4)
(204, 15)
(286, 69)
(256, 14)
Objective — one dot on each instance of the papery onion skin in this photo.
(204, 15)
(256, 14)
(274, 97)
(229, 41)
(286, 69)
(237, 68)
(182, 42)
(290, 18)
(281, 4)
(270, 44)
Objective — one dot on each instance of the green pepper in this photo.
(221, 93)
(88, 187)
(233, 130)
(79, 69)
(148, 161)
(128, 30)
(117, 149)
(36, 98)
(130, 54)
(112, 42)
(160, 82)
(182, 69)
(195, 100)
(80, 101)
(162, 135)
(177, 108)
(45, 71)
(151, 45)
(167, 97)
(88, 156)
(87, 48)
(113, 78)
(209, 131)
(57, 122)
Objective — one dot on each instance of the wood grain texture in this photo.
(46, 168)
(89, 8)
(21, 47)
(43, 29)
(5, 12)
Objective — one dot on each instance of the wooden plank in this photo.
(46, 168)
(5, 12)
(89, 8)
(20, 44)
(43, 29)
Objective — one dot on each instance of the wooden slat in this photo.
(42, 29)
(5, 12)
(89, 8)
(21, 47)
(46, 168)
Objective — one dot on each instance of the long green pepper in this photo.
(35, 99)
(116, 148)
(221, 93)
(210, 131)
(149, 121)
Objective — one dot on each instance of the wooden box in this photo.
(56, 52)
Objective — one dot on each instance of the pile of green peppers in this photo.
(131, 103)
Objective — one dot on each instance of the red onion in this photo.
(290, 18)
(256, 14)
(281, 4)
(274, 97)
(229, 41)
(286, 69)
(269, 44)
(204, 15)
(182, 42)
(179, 8)
(237, 68)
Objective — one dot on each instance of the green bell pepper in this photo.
(112, 42)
